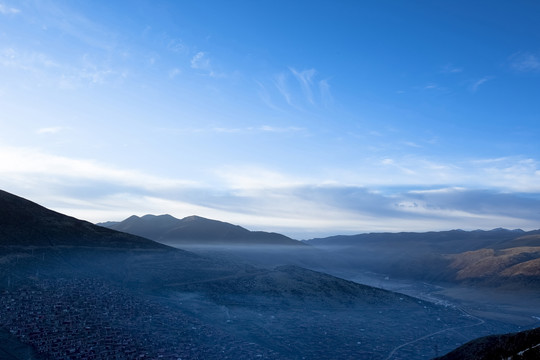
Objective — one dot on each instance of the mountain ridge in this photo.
(196, 230)
(26, 223)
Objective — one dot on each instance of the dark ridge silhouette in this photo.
(196, 230)
(452, 241)
(25, 223)
(524, 345)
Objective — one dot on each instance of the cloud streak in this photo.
(7, 10)
(201, 61)
(476, 85)
(305, 79)
(525, 62)
(262, 198)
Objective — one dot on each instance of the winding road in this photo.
(397, 348)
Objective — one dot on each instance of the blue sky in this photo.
(309, 118)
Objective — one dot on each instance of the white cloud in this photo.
(26, 60)
(451, 69)
(34, 166)
(201, 61)
(274, 129)
(7, 10)
(40, 68)
(412, 144)
(177, 46)
(431, 86)
(474, 87)
(525, 62)
(269, 199)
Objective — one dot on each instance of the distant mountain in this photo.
(452, 241)
(25, 223)
(523, 345)
(497, 257)
(196, 230)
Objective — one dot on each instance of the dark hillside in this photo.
(524, 345)
(25, 223)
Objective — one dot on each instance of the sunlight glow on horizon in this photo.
(304, 118)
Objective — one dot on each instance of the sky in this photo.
(309, 118)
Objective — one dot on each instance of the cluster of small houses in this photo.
(87, 319)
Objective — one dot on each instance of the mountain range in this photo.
(493, 258)
(196, 230)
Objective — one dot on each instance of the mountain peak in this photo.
(197, 230)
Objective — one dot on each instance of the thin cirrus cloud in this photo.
(280, 83)
(35, 166)
(50, 130)
(8, 10)
(306, 90)
(201, 61)
(451, 69)
(305, 79)
(525, 62)
(235, 130)
(476, 84)
(31, 61)
(39, 67)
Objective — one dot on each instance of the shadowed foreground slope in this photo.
(524, 345)
(24, 223)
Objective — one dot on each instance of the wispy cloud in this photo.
(281, 84)
(268, 199)
(274, 129)
(412, 144)
(525, 62)
(451, 69)
(476, 84)
(397, 165)
(237, 130)
(174, 72)
(326, 95)
(50, 130)
(40, 67)
(305, 91)
(432, 86)
(8, 10)
(36, 166)
(201, 61)
(26, 60)
(265, 97)
(305, 78)
(177, 46)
